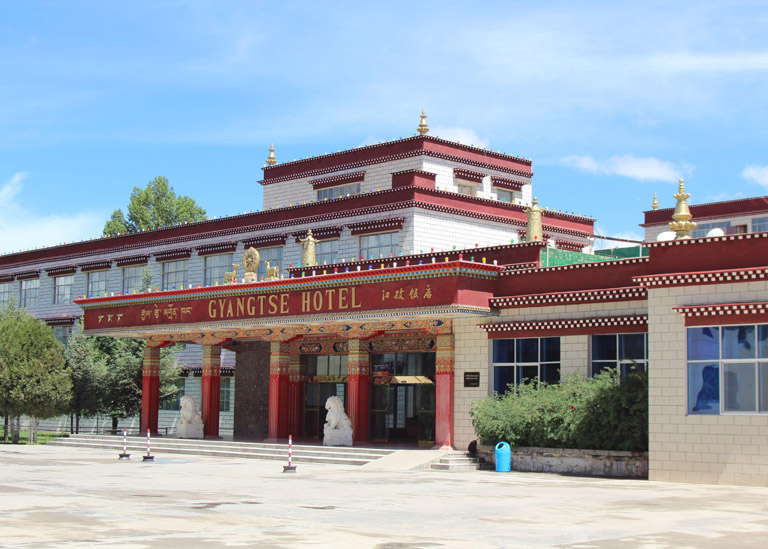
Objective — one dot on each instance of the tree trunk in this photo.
(5, 428)
(114, 424)
(32, 430)
(71, 424)
(77, 423)
(15, 428)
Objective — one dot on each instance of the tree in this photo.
(33, 375)
(125, 360)
(88, 371)
(155, 206)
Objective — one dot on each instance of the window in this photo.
(516, 361)
(702, 229)
(374, 246)
(505, 196)
(327, 251)
(215, 267)
(29, 291)
(97, 283)
(172, 403)
(225, 394)
(62, 333)
(275, 258)
(132, 278)
(338, 192)
(174, 274)
(6, 293)
(728, 369)
(62, 289)
(760, 224)
(466, 189)
(628, 352)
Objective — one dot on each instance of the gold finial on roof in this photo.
(271, 160)
(423, 128)
(534, 230)
(682, 224)
(655, 204)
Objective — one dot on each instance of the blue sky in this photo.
(613, 100)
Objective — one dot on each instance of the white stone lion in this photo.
(338, 427)
(190, 422)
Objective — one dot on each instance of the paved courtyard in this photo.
(69, 497)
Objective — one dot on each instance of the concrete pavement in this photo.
(71, 497)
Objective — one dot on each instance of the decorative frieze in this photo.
(469, 175)
(216, 248)
(573, 326)
(172, 255)
(321, 233)
(133, 260)
(336, 180)
(61, 270)
(702, 278)
(724, 313)
(377, 226)
(570, 298)
(506, 183)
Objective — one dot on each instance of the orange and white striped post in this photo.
(289, 468)
(149, 456)
(125, 454)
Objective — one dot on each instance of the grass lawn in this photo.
(42, 437)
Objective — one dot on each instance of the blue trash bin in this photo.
(503, 458)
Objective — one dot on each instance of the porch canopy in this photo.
(353, 306)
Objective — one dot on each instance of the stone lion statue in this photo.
(338, 427)
(190, 422)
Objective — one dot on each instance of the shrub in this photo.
(598, 413)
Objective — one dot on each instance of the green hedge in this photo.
(588, 413)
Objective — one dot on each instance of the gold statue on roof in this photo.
(682, 224)
(655, 204)
(308, 255)
(423, 128)
(251, 260)
(534, 230)
(271, 160)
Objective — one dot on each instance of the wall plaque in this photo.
(471, 379)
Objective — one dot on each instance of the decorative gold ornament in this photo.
(272, 273)
(534, 231)
(308, 255)
(230, 277)
(655, 204)
(682, 224)
(271, 160)
(251, 260)
(423, 128)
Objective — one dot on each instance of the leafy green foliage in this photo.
(33, 375)
(155, 206)
(88, 371)
(597, 414)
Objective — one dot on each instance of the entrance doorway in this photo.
(403, 398)
(326, 376)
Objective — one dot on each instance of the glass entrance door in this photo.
(403, 398)
(326, 376)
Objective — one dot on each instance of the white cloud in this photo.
(466, 136)
(632, 167)
(756, 174)
(21, 229)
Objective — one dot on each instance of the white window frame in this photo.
(339, 191)
(131, 278)
(30, 291)
(6, 293)
(170, 274)
(97, 283)
(62, 289)
(268, 254)
(324, 255)
(215, 266)
(393, 248)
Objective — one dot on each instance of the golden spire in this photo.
(534, 231)
(682, 224)
(271, 160)
(655, 204)
(423, 128)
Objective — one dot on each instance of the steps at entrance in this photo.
(137, 446)
(460, 461)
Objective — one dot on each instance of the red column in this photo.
(211, 390)
(278, 391)
(358, 389)
(444, 393)
(294, 395)
(150, 390)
